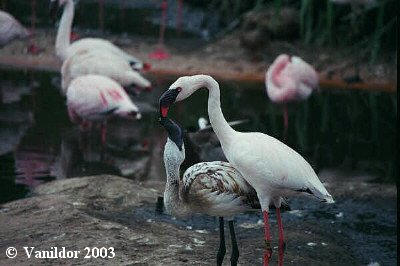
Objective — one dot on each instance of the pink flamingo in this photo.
(160, 53)
(93, 98)
(289, 79)
(11, 29)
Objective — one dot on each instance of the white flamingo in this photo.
(65, 49)
(212, 188)
(290, 79)
(11, 29)
(267, 164)
(86, 62)
(93, 98)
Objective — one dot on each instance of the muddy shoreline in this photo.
(75, 213)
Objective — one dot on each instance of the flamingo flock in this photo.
(261, 170)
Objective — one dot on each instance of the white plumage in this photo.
(213, 188)
(65, 49)
(10, 29)
(267, 164)
(290, 79)
(94, 97)
(97, 62)
(94, 56)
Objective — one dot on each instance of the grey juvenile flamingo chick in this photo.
(212, 188)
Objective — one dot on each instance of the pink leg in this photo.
(103, 133)
(285, 122)
(267, 235)
(281, 237)
(84, 127)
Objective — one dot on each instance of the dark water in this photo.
(355, 130)
(366, 231)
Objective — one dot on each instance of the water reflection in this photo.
(35, 129)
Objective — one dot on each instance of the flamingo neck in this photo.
(172, 201)
(218, 122)
(64, 30)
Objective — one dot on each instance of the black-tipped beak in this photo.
(166, 100)
(175, 132)
(53, 9)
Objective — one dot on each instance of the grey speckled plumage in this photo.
(213, 188)
(217, 189)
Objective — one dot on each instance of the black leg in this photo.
(235, 249)
(222, 248)
(160, 205)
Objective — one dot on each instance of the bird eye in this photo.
(179, 89)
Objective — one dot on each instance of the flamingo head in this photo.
(167, 99)
(138, 81)
(174, 151)
(181, 89)
(131, 112)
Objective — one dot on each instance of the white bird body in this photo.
(267, 164)
(10, 29)
(64, 48)
(94, 97)
(96, 62)
(272, 167)
(99, 44)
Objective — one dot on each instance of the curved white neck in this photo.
(218, 122)
(64, 30)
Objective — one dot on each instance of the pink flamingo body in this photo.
(11, 29)
(93, 98)
(290, 79)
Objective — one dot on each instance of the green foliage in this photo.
(368, 29)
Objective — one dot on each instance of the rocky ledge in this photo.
(110, 211)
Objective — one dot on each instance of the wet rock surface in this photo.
(110, 211)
